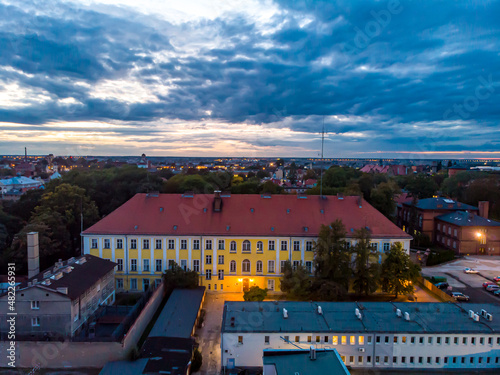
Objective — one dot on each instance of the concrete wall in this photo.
(63, 354)
(135, 332)
(390, 350)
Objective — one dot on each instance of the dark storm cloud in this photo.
(384, 65)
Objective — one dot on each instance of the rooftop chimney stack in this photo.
(217, 201)
(484, 209)
(33, 254)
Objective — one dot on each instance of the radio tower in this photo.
(322, 144)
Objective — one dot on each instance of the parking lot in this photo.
(469, 284)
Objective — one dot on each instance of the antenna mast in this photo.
(322, 144)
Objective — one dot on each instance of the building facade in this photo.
(369, 335)
(467, 233)
(234, 242)
(58, 301)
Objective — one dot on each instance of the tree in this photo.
(196, 361)
(382, 198)
(292, 173)
(296, 283)
(177, 277)
(398, 271)
(366, 273)
(332, 262)
(255, 294)
(310, 174)
(421, 186)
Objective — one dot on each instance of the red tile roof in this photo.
(242, 215)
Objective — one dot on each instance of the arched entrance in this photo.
(246, 285)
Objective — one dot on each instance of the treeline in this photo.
(338, 268)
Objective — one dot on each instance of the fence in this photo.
(435, 290)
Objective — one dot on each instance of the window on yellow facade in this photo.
(259, 266)
(270, 266)
(184, 245)
(344, 340)
(245, 266)
(335, 340)
(232, 266)
(352, 340)
(93, 243)
(232, 247)
(145, 244)
(222, 244)
(158, 244)
(361, 340)
(119, 243)
(196, 244)
(260, 247)
(247, 247)
(270, 245)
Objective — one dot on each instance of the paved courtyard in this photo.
(209, 335)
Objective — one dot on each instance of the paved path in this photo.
(209, 335)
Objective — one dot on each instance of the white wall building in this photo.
(372, 334)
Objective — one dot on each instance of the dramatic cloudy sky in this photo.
(250, 77)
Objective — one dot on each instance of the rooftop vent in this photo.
(81, 260)
(153, 194)
(407, 316)
(188, 194)
(301, 196)
(285, 313)
(399, 313)
(320, 310)
(312, 353)
(228, 227)
(471, 314)
(217, 201)
(35, 281)
(265, 195)
(489, 317)
(58, 275)
(46, 274)
(71, 260)
(46, 282)
(322, 211)
(287, 210)
(272, 229)
(252, 210)
(68, 269)
(340, 196)
(175, 227)
(476, 317)
(135, 227)
(226, 194)
(161, 209)
(306, 229)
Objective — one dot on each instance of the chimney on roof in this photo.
(33, 254)
(484, 209)
(217, 201)
(360, 201)
(312, 353)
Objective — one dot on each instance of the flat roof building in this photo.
(371, 334)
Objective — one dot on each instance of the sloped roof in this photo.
(441, 204)
(242, 215)
(85, 272)
(462, 219)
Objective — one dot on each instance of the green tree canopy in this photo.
(366, 271)
(177, 277)
(296, 283)
(332, 261)
(255, 294)
(382, 198)
(398, 271)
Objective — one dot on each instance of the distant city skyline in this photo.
(254, 78)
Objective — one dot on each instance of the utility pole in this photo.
(322, 144)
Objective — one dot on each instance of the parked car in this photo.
(497, 293)
(486, 283)
(492, 288)
(460, 296)
(470, 270)
(496, 279)
(442, 285)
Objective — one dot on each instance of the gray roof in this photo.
(179, 314)
(76, 274)
(441, 204)
(327, 362)
(338, 317)
(462, 218)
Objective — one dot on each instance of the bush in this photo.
(440, 256)
(255, 294)
(196, 361)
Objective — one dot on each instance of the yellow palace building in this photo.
(233, 241)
